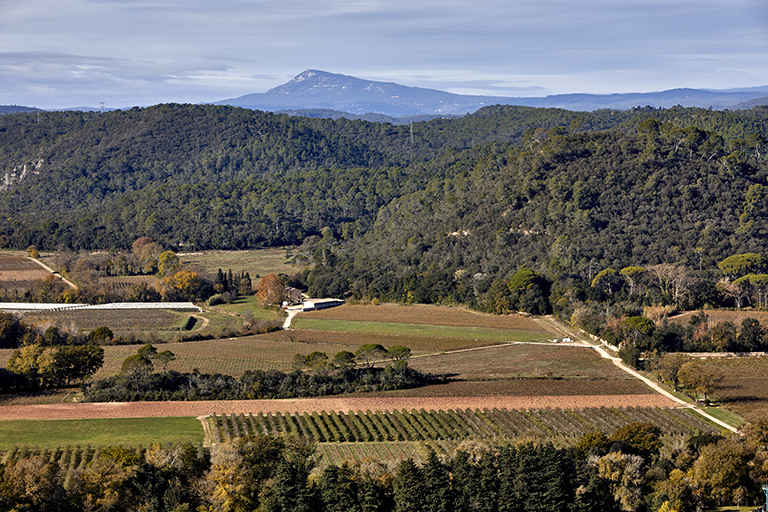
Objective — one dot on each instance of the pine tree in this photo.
(409, 488)
(439, 495)
(339, 489)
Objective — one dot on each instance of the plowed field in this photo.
(159, 409)
(425, 315)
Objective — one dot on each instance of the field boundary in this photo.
(338, 404)
(619, 363)
(653, 385)
(53, 272)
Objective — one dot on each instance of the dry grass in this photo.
(119, 320)
(522, 361)
(258, 262)
(744, 388)
(720, 315)
(232, 356)
(417, 344)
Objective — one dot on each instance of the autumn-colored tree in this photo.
(168, 263)
(595, 440)
(183, 285)
(103, 484)
(624, 473)
(643, 439)
(270, 289)
(139, 243)
(24, 362)
(32, 483)
(675, 494)
(721, 469)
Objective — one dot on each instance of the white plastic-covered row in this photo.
(29, 307)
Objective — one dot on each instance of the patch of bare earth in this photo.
(301, 405)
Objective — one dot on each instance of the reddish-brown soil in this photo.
(158, 409)
(425, 315)
(524, 388)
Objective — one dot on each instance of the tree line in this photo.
(50, 359)
(312, 375)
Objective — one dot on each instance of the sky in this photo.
(124, 53)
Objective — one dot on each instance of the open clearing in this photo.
(423, 330)
(118, 320)
(258, 262)
(99, 432)
(486, 373)
(521, 361)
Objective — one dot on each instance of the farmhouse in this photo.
(292, 295)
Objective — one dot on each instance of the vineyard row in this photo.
(452, 425)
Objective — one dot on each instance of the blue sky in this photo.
(67, 53)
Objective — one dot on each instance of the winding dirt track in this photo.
(157, 409)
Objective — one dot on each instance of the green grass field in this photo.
(101, 432)
(249, 306)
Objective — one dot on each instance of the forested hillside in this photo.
(565, 206)
(210, 177)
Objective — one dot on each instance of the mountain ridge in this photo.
(315, 89)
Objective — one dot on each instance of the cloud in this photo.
(146, 51)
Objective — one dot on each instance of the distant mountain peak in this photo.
(303, 77)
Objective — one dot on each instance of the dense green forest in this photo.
(211, 177)
(565, 206)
